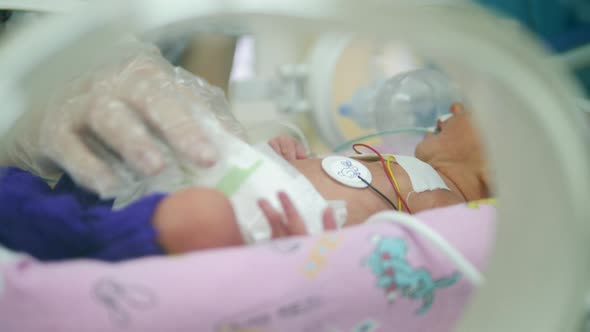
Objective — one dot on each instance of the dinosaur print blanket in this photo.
(379, 276)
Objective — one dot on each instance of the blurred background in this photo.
(563, 25)
(261, 95)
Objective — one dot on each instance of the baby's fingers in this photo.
(275, 219)
(295, 225)
(300, 151)
(329, 220)
(288, 148)
(275, 146)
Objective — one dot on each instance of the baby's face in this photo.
(456, 140)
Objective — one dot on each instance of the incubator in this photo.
(332, 71)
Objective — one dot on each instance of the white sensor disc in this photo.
(347, 171)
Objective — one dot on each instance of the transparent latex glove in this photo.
(128, 118)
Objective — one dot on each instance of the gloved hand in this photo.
(135, 110)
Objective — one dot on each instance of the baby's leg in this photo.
(195, 219)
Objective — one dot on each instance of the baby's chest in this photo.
(418, 190)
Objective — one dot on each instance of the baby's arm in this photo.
(58, 224)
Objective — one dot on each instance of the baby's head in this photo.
(456, 143)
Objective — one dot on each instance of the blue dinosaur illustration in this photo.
(397, 277)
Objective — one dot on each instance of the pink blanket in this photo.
(379, 276)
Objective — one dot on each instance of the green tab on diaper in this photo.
(235, 177)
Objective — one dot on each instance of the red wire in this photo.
(354, 147)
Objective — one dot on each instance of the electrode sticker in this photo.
(347, 171)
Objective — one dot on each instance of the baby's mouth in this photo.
(435, 130)
(438, 128)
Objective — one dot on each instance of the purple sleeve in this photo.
(67, 222)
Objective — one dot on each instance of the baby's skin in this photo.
(201, 218)
(454, 151)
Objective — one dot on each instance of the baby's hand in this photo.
(291, 224)
(288, 147)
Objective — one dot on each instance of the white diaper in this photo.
(271, 175)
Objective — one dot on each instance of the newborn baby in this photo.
(67, 222)
(453, 155)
